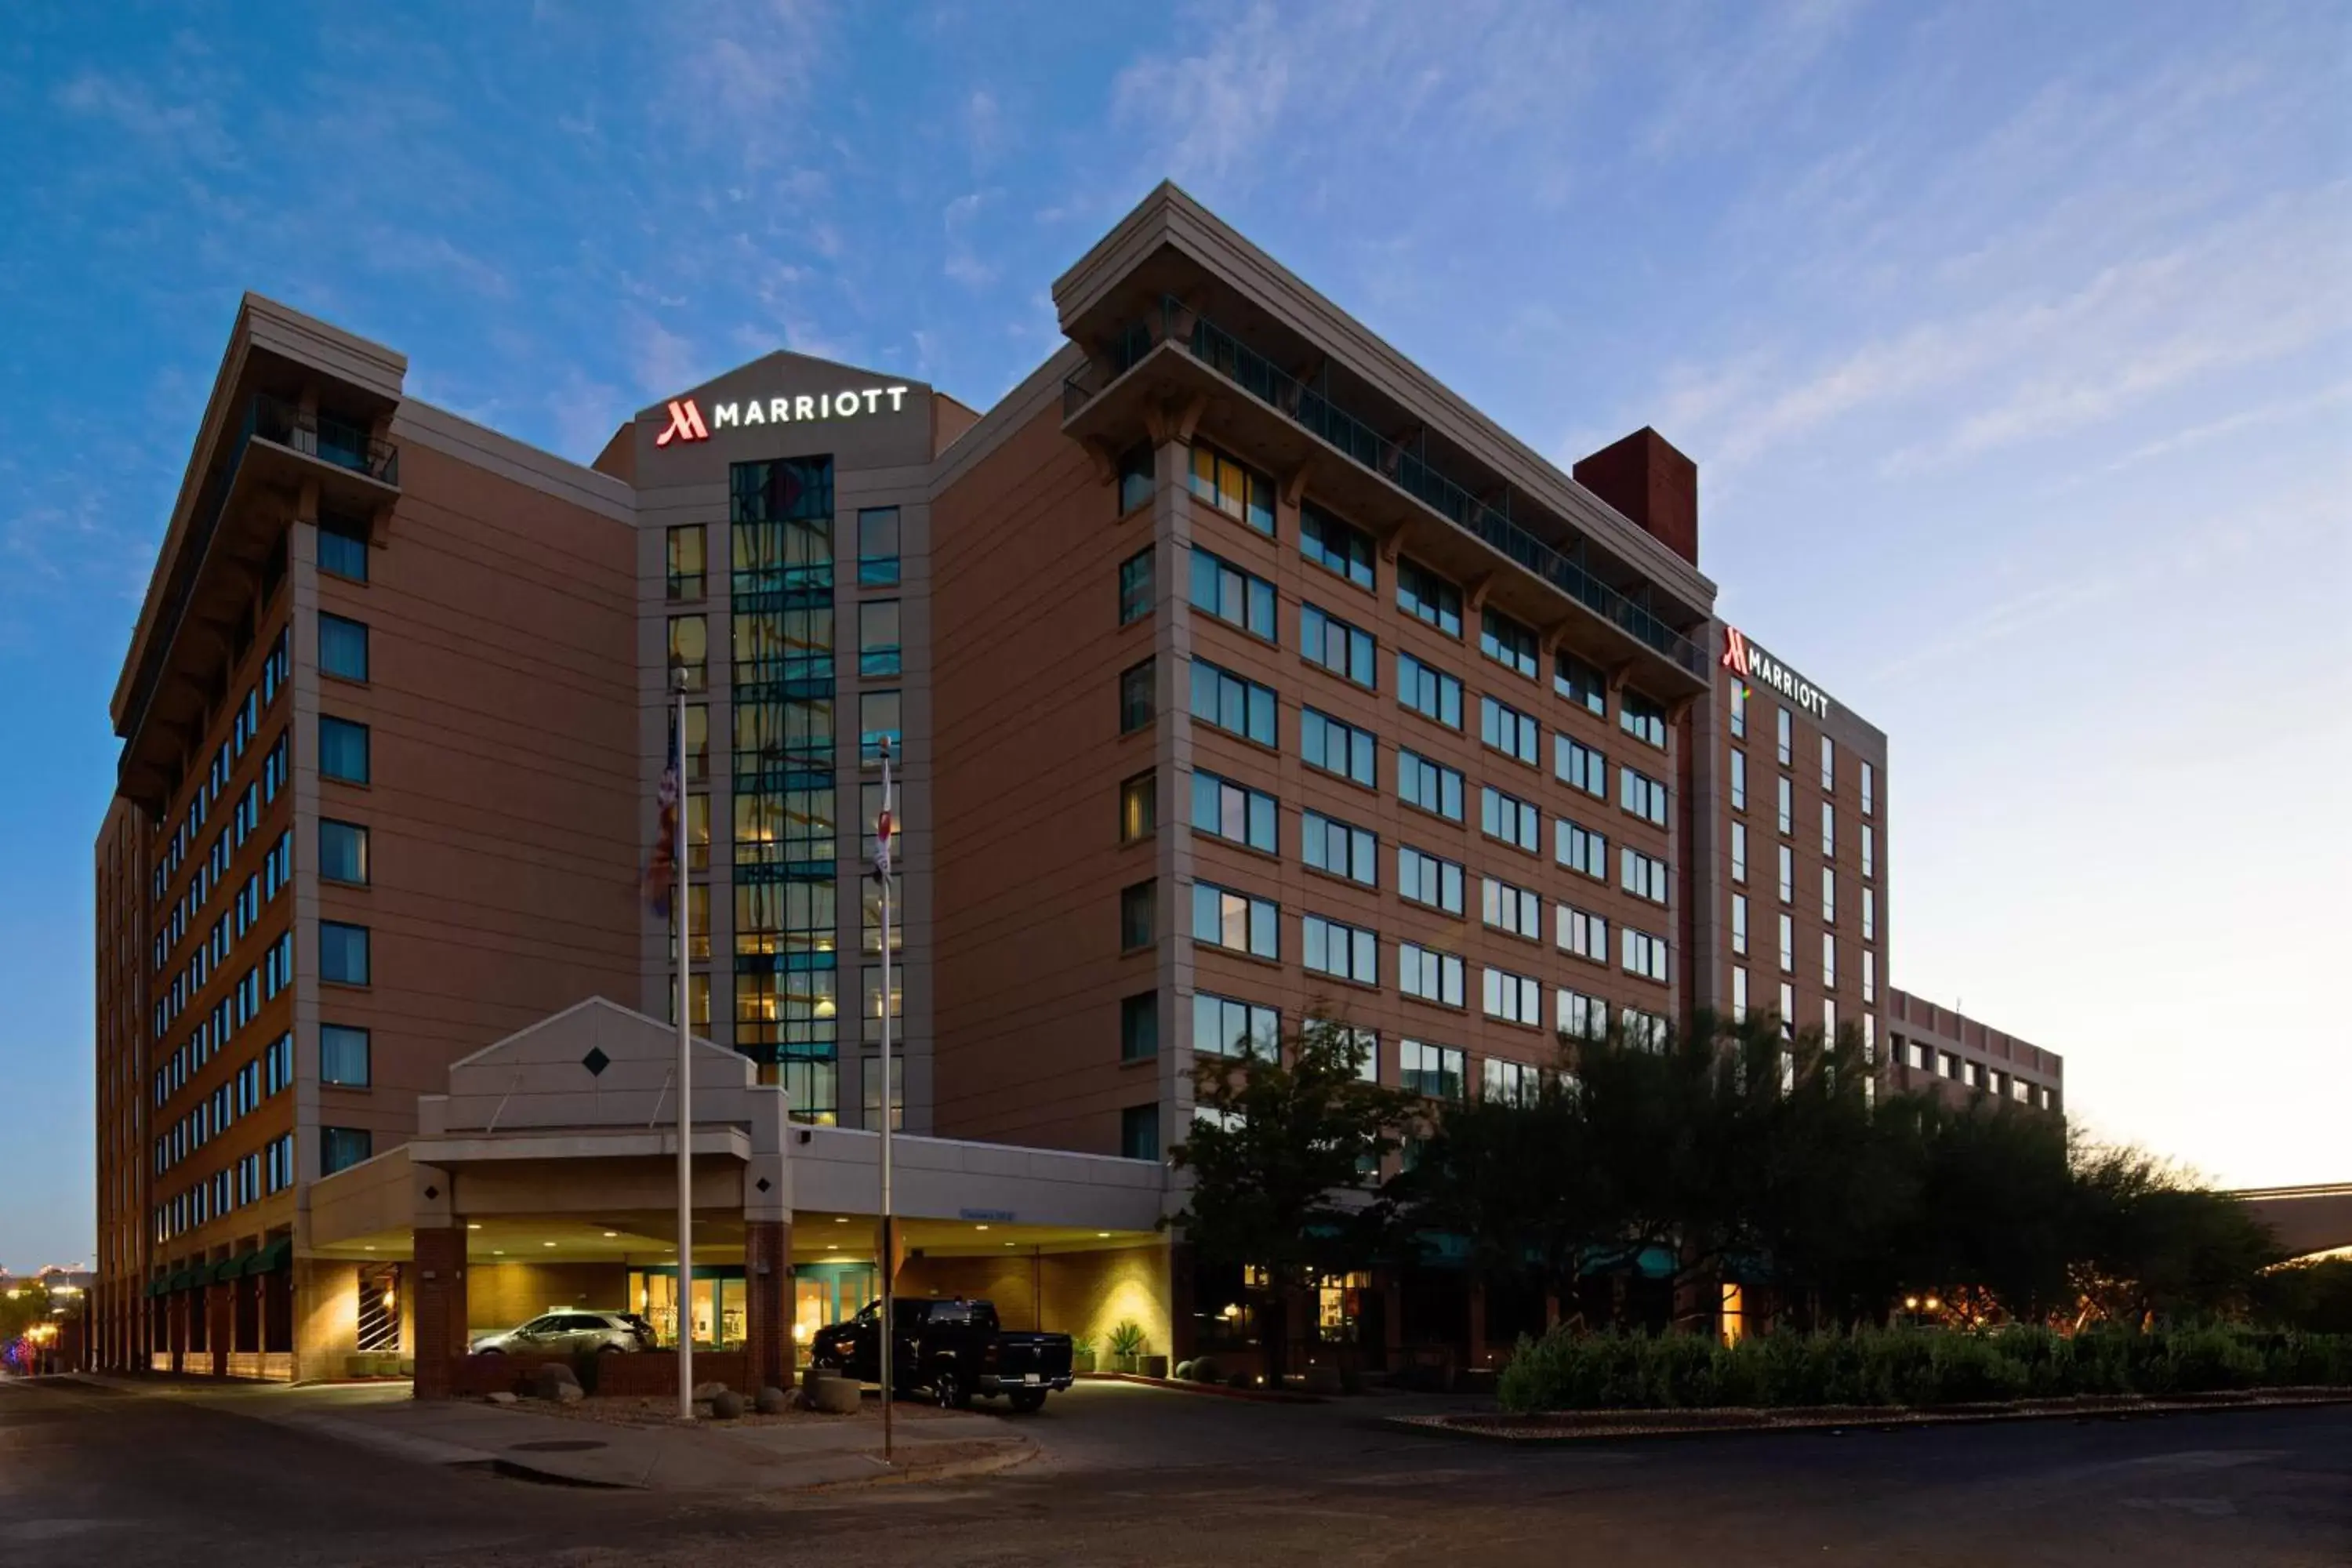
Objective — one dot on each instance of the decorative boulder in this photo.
(570, 1394)
(548, 1378)
(1204, 1370)
(1323, 1379)
(708, 1390)
(834, 1396)
(725, 1405)
(502, 1397)
(771, 1402)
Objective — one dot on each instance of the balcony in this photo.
(1179, 331)
(323, 436)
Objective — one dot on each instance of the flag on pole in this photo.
(661, 871)
(884, 823)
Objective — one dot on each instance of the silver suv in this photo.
(569, 1333)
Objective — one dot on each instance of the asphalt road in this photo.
(1135, 1475)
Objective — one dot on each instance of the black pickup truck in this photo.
(953, 1350)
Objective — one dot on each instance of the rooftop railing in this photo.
(1313, 411)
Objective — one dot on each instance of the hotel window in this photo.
(1585, 935)
(341, 1148)
(1869, 975)
(1869, 914)
(1224, 590)
(1345, 651)
(1739, 710)
(1431, 976)
(342, 749)
(1507, 642)
(1430, 692)
(1138, 1131)
(1739, 993)
(1740, 852)
(1230, 702)
(1432, 786)
(1739, 780)
(1828, 765)
(1225, 919)
(697, 739)
(698, 912)
(1437, 1071)
(870, 1092)
(690, 653)
(1646, 1031)
(1788, 875)
(1139, 807)
(871, 1011)
(1579, 766)
(877, 638)
(1643, 876)
(1584, 1017)
(1232, 811)
(1788, 1011)
(687, 562)
(1510, 1083)
(1508, 818)
(1426, 878)
(1135, 697)
(342, 852)
(697, 831)
(342, 647)
(1581, 682)
(1788, 944)
(878, 546)
(1507, 730)
(1224, 1026)
(1829, 896)
(1135, 586)
(1341, 849)
(1335, 546)
(1136, 478)
(1426, 595)
(1513, 998)
(1829, 1018)
(1581, 849)
(1787, 742)
(1787, 813)
(1869, 789)
(1829, 961)
(879, 726)
(1240, 492)
(1869, 850)
(342, 953)
(1739, 923)
(1510, 909)
(1337, 747)
(1349, 953)
(1645, 954)
(1828, 831)
(342, 1055)
(1135, 902)
(1642, 796)
(1643, 718)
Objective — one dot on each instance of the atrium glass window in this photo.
(878, 546)
(1334, 545)
(783, 825)
(342, 647)
(1239, 491)
(782, 522)
(779, 741)
(878, 652)
(783, 644)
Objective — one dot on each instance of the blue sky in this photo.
(2014, 343)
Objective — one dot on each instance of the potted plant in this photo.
(1127, 1341)
(1082, 1352)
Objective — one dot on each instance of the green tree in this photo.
(1277, 1157)
(2150, 1243)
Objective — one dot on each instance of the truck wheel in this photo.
(1028, 1401)
(948, 1390)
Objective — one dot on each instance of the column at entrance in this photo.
(440, 1291)
(768, 1302)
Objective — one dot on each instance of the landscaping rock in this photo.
(834, 1396)
(549, 1380)
(708, 1390)
(1204, 1370)
(725, 1405)
(569, 1394)
(1183, 1371)
(1323, 1379)
(772, 1402)
(502, 1397)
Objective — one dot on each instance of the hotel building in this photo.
(1236, 671)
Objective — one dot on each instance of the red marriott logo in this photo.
(684, 423)
(1735, 646)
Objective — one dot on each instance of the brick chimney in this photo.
(1649, 481)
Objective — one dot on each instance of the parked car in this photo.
(952, 1350)
(570, 1333)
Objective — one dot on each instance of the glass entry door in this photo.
(825, 1293)
(715, 1306)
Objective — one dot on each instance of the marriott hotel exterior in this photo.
(1238, 669)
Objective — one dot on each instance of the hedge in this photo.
(1907, 1366)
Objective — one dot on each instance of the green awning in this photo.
(159, 1286)
(181, 1279)
(278, 1255)
(225, 1269)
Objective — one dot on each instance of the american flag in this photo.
(661, 871)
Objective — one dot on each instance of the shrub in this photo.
(1907, 1366)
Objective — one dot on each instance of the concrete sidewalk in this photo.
(579, 1450)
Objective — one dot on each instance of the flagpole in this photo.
(889, 1239)
(684, 1299)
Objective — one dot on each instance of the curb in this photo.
(1216, 1390)
(1482, 1428)
(1016, 1451)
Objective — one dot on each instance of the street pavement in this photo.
(1131, 1474)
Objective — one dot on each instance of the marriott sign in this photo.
(1748, 662)
(686, 424)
